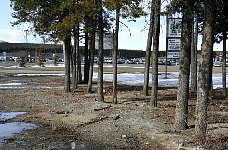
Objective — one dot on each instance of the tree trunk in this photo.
(100, 55)
(79, 68)
(156, 32)
(194, 55)
(72, 62)
(210, 95)
(115, 52)
(86, 60)
(75, 57)
(74, 66)
(224, 65)
(91, 62)
(204, 73)
(183, 87)
(148, 51)
(67, 48)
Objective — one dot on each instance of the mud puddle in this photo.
(7, 129)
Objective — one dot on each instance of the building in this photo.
(28, 50)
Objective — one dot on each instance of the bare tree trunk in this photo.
(183, 87)
(148, 51)
(194, 55)
(91, 62)
(156, 32)
(75, 57)
(224, 65)
(67, 47)
(204, 73)
(72, 66)
(92, 48)
(86, 60)
(115, 52)
(79, 68)
(210, 96)
(100, 55)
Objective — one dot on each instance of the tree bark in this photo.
(183, 87)
(75, 57)
(67, 48)
(194, 55)
(72, 62)
(115, 52)
(156, 32)
(79, 68)
(224, 65)
(91, 62)
(148, 52)
(86, 59)
(210, 72)
(100, 55)
(204, 73)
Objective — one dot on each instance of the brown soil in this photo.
(77, 118)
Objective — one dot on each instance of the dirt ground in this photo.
(77, 120)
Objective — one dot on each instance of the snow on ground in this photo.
(136, 79)
(11, 84)
(39, 74)
(50, 65)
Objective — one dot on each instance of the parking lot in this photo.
(12, 67)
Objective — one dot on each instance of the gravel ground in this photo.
(76, 120)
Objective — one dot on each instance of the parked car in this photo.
(217, 64)
(130, 61)
(140, 61)
(108, 60)
(120, 61)
(163, 62)
(96, 60)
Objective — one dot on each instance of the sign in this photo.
(173, 39)
(174, 44)
(173, 55)
(174, 27)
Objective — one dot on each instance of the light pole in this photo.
(26, 41)
(26, 35)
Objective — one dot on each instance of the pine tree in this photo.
(156, 32)
(204, 73)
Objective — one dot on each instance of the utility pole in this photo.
(26, 41)
(26, 35)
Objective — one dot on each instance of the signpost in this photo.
(173, 39)
(173, 50)
(174, 27)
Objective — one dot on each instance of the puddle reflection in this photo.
(9, 115)
(8, 129)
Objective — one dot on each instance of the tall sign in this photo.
(173, 38)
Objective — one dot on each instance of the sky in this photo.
(9, 33)
(134, 37)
